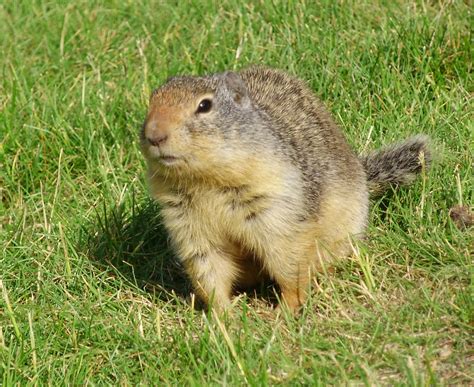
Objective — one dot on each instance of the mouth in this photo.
(155, 154)
(169, 160)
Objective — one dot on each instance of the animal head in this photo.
(196, 124)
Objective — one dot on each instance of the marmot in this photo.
(255, 178)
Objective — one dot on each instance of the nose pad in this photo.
(157, 139)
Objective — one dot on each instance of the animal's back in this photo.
(306, 132)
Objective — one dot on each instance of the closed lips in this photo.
(168, 158)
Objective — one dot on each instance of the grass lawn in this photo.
(90, 292)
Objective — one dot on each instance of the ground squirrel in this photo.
(255, 178)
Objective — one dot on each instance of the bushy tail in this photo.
(397, 164)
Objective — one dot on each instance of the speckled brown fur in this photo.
(263, 183)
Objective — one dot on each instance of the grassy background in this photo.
(89, 291)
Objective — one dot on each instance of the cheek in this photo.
(208, 148)
(202, 136)
(178, 140)
(202, 144)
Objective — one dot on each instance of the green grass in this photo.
(90, 292)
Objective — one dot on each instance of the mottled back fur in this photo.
(304, 128)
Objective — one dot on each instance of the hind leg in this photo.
(342, 220)
(288, 262)
(292, 261)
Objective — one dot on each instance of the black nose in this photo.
(158, 139)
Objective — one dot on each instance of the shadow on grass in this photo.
(132, 243)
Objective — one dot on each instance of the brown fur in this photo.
(262, 184)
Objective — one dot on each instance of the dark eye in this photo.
(204, 106)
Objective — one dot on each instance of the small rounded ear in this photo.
(236, 88)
